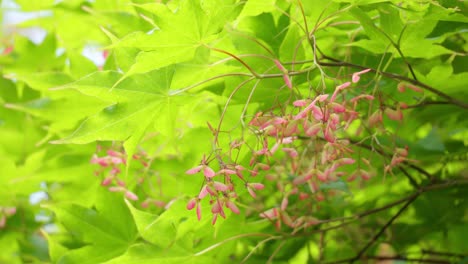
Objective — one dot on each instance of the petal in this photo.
(208, 172)
(131, 195)
(231, 205)
(220, 186)
(191, 204)
(194, 170)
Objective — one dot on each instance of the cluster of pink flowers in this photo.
(301, 150)
(6, 212)
(220, 194)
(111, 166)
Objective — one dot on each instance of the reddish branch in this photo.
(338, 63)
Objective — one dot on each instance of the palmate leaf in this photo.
(137, 102)
(106, 231)
(180, 32)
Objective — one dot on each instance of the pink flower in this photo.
(338, 89)
(131, 195)
(232, 206)
(291, 152)
(302, 179)
(300, 103)
(375, 118)
(194, 170)
(287, 81)
(198, 211)
(215, 217)
(394, 114)
(280, 66)
(270, 214)
(208, 172)
(192, 203)
(107, 181)
(345, 161)
(8, 50)
(101, 161)
(113, 153)
(220, 186)
(257, 186)
(313, 130)
(317, 112)
(203, 192)
(356, 76)
(328, 135)
(322, 97)
(284, 203)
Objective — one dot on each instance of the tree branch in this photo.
(338, 63)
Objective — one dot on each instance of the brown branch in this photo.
(338, 63)
(382, 230)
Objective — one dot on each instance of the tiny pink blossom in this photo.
(270, 214)
(317, 112)
(8, 50)
(300, 103)
(328, 134)
(365, 175)
(302, 179)
(227, 172)
(145, 204)
(291, 152)
(394, 114)
(192, 203)
(107, 181)
(116, 189)
(203, 192)
(343, 86)
(115, 171)
(322, 176)
(198, 211)
(287, 81)
(338, 108)
(362, 96)
(101, 161)
(280, 66)
(215, 217)
(344, 161)
(257, 186)
(322, 97)
(131, 195)
(208, 172)
(375, 118)
(216, 208)
(279, 121)
(313, 130)
(194, 170)
(220, 186)
(262, 166)
(120, 183)
(288, 140)
(113, 153)
(356, 76)
(251, 192)
(232, 206)
(117, 160)
(284, 203)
